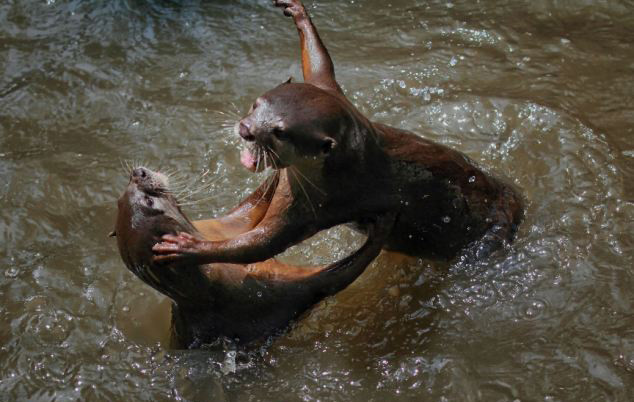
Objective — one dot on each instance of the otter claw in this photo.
(165, 259)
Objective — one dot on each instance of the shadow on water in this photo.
(539, 92)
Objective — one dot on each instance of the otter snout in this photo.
(245, 131)
(147, 179)
(140, 172)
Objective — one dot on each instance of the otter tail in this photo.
(506, 217)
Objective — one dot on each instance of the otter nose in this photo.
(139, 172)
(245, 132)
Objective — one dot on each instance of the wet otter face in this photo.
(147, 192)
(289, 125)
(146, 199)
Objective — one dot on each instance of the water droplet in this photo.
(125, 309)
(629, 153)
(533, 309)
(472, 179)
(259, 294)
(453, 61)
(11, 272)
(446, 219)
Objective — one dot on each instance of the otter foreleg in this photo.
(317, 66)
(274, 234)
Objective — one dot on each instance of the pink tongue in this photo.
(247, 159)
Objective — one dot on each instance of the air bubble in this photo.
(446, 219)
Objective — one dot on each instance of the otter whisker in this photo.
(304, 191)
(273, 152)
(228, 113)
(170, 172)
(203, 188)
(267, 158)
(308, 181)
(236, 109)
(189, 203)
(185, 183)
(194, 192)
(257, 158)
(268, 152)
(122, 165)
(205, 185)
(270, 180)
(180, 182)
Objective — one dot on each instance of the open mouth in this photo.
(255, 157)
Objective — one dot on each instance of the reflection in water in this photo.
(540, 92)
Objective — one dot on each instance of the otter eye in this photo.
(328, 145)
(256, 104)
(278, 132)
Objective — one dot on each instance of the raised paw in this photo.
(292, 8)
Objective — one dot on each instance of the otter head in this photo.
(290, 125)
(146, 211)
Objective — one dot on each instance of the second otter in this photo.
(243, 302)
(335, 166)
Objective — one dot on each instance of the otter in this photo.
(332, 165)
(240, 302)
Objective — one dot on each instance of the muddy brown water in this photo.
(541, 92)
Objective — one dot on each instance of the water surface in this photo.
(538, 91)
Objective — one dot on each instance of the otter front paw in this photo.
(292, 8)
(183, 248)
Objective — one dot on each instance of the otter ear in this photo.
(289, 80)
(327, 145)
(112, 234)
